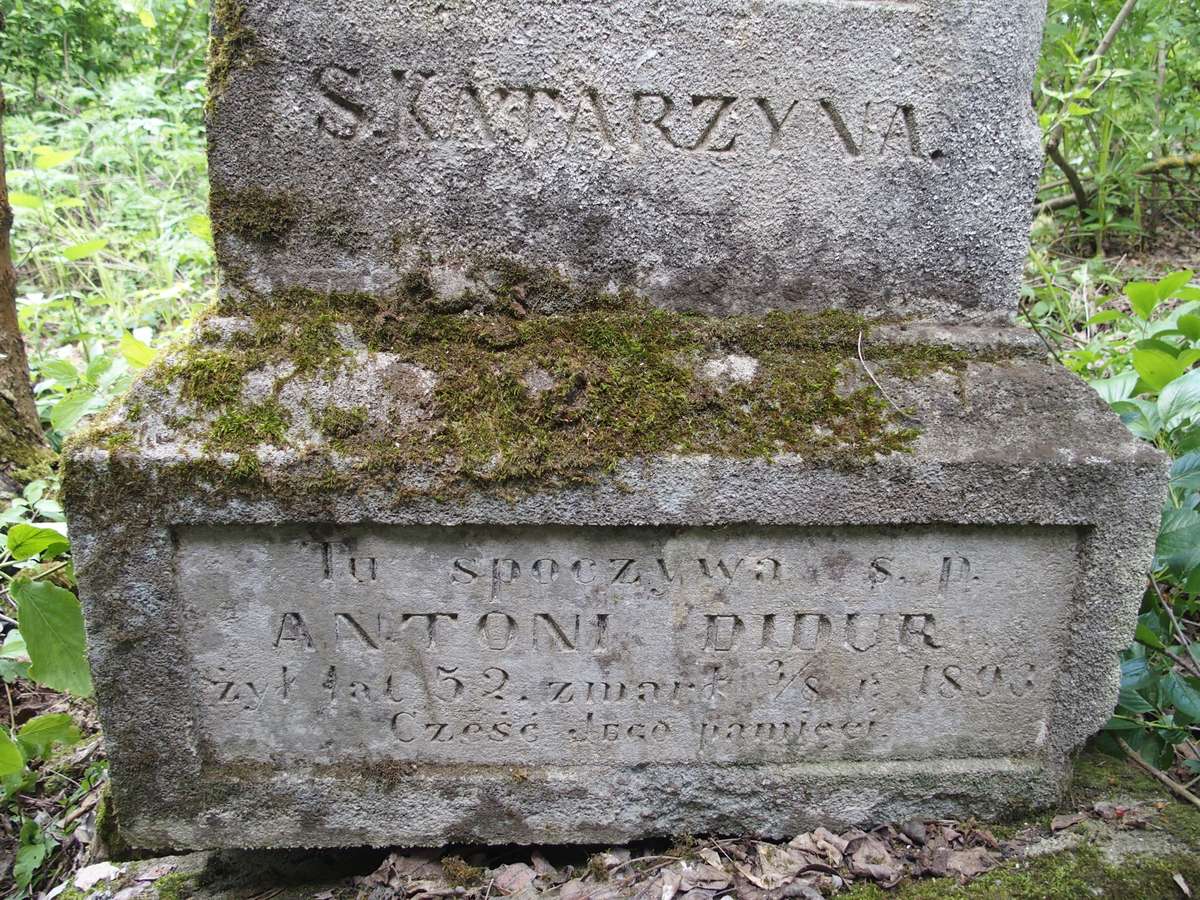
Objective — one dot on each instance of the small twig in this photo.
(1073, 179)
(1166, 780)
(875, 381)
(1042, 337)
(1184, 642)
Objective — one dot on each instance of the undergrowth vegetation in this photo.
(107, 173)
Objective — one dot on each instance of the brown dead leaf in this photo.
(1067, 820)
(870, 858)
(915, 831)
(704, 877)
(513, 878)
(968, 864)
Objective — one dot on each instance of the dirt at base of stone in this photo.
(1116, 836)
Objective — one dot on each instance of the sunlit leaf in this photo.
(27, 541)
(53, 158)
(40, 733)
(136, 353)
(1180, 400)
(84, 250)
(1157, 367)
(12, 760)
(25, 201)
(1168, 286)
(200, 226)
(51, 621)
(67, 412)
(1143, 297)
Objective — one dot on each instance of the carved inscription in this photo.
(581, 645)
(422, 108)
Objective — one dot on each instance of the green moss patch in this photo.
(231, 45)
(525, 398)
(253, 214)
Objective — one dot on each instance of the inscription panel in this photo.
(547, 645)
(731, 157)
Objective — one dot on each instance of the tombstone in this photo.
(613, 424)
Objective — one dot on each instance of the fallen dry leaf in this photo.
(513, 878)
(1065, 821)
(967, 864)
(870, 858)
(1182, 884)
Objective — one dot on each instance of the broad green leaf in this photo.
(69, 203)
(51, 622)
(84, 250)
(136, 353)
(52, 158)
(40, 733)
(200, 226)
(62, 371)
(1157, 368)
(25, 201)
(27, 541)
(1134, 703)
(1119, 387)
(147, 19)
(1179, 541)
(1140, 416)
(1180, 400)
(1188, 293)
(1145, 635)
(14, 646)
(1107, 315)
(1143, 297)
(66, 413)
(12, 760)
(1167, 286)
(1183, 695)
(1185, 472)
(1135, 674)
(29, 859)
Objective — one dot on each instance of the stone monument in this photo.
(612, 424)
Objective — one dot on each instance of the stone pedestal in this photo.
(317, 649)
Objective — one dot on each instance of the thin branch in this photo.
(862, 359)
(1166, 780)
(1056, 134)
(1077, 188)
(1184, 642)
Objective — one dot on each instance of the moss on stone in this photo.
(231, 45)
(174, 886)
(342, 424)
(528, 398)
(1081, 872)
(253, 214)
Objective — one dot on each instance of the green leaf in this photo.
(1182, 695)
(1179, 541)
(54, 158)
(12, 760)
(1145, 635)
(1168, 286)
(200, 226)
(25, 201)
(86, 249)
(1180, 400)
(1143, 297)
(147, 19)
(1140, 416)
(40, 733)
(1185, 472)
(30, 857)
(1136, 674)
(27, 541)
(62, 371)
(1119, 387)
(1115, 724)
(66, 413)
(14, 646)
(51, 622)
(136, 353)
(1157, 368)
(1107, 315)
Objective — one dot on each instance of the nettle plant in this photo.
(1147, 357)
(46, 648)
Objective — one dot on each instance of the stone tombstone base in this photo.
(294, 649)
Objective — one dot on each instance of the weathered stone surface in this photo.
(737, 156)
(929, 633)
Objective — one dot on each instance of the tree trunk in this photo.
(22, 445)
